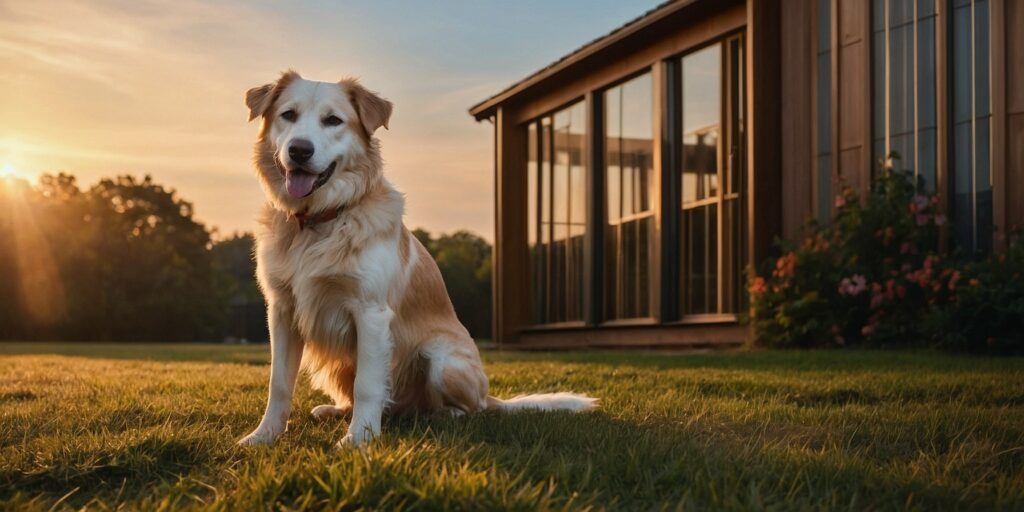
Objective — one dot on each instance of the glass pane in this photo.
(963, 210)
(824, 188)
(555, 152)
(700, 256)
(983, 188)
(825, 24)
(900, 12)
(926, 78)
(877, 15)
(926, 151)
(981, 58)
(702, 127)
(901, 81)
(961, 64)
(628, 153)
(702, 114)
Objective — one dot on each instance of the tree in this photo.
(123, 260)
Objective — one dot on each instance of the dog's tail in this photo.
(564, 401)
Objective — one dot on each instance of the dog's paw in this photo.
(356, 438)
(453, 412)
(258, 437)
(325, 411)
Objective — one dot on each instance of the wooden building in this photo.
(638, 176)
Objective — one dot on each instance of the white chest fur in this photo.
(322, 276)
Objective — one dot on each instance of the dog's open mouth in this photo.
(301, 183)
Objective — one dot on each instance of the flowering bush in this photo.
(987, 312)
(868, 278)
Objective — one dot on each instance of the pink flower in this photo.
(877, 300)
(922, 219)
(920, 202)
(940, 219)
(867, 330)
(853, 286)
(953, 280)
(844, 285)
(840, 201)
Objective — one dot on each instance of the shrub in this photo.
(864, 279)
(986, 314)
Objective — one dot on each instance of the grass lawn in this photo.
(153, 426)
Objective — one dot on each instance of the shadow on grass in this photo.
(530, 459)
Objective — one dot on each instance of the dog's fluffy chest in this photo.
(319, 278)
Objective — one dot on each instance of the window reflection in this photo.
(628, 158)
(557, 214)
(701, 130)
(972, 185)
(903, 85)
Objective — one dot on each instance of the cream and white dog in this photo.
(352, 296)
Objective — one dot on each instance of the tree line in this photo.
(125, 260)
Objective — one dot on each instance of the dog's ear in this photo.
(258, 100)
(373, 110)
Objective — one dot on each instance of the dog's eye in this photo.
(332, 121)
(289, 115)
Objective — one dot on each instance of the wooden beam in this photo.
(764, 87)
(724, 335)
(510, 278)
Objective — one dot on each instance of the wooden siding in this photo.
(1008, 129)
(798, 65)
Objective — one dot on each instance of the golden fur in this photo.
(330, 286)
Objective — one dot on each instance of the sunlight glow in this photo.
(9, 171)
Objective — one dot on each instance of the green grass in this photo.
(153, 426)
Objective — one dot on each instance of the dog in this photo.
(352, 297)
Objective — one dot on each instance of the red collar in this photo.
(306, 219)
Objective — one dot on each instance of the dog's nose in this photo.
(300, 150)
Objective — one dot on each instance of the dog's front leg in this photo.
(286, 354)
(371, 390)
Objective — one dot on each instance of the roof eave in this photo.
(485, 109)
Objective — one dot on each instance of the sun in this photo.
(9, 171)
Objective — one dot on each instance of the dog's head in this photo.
(316, 148)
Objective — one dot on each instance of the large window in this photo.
(711, 179)
(667, 238)
(971, 118)
(904, 85)
(557, 214)
(629, 185)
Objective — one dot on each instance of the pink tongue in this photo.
(299, 183)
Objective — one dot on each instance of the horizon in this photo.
(138, 88)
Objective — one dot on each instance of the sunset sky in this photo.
(97, 88)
